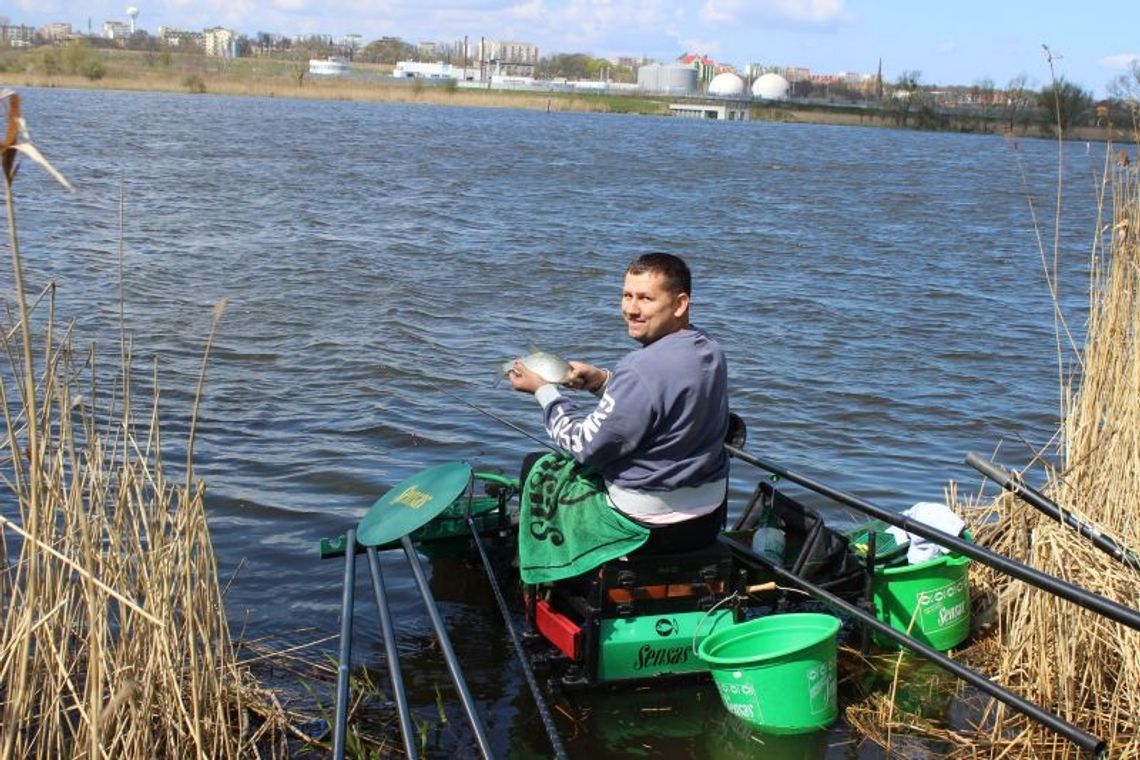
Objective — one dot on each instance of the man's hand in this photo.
(524, 380)
(586, 376)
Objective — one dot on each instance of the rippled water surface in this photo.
(879, 293)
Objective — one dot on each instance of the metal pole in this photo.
(540, 702)
(344, 656)
(445, 648)
(1075, 594)
(1039, 501)
(392, 655)
(1072, 733)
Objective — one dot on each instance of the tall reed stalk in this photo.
(114, 641)
(1082, 666)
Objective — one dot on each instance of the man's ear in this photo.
(682, 305)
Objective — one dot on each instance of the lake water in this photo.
(879, 294)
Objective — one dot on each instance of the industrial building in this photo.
(328, 67)
(668, 79)
(507, 58)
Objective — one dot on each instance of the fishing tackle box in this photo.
(638, 616)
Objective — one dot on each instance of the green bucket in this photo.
(935, 595)
(777, 673)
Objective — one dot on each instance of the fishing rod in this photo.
(1074, 734)
(1046, 506)
(528, 673)
(506, 422)
(1075, 594)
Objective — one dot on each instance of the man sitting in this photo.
(656, 435)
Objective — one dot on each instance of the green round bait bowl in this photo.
(777, 673)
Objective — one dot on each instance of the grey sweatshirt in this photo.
(661, 420)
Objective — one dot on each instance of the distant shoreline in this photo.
(350, 89)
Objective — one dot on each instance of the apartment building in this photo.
(505, 57)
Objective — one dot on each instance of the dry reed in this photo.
(114, 641)
(1073, 662)
(1077, 663)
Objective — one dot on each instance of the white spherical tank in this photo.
(727, 84)
(771, 87)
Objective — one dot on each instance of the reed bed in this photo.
(114, 641)
(1081, 665)
(1074, 663)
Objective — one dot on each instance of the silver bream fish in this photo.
(551, 368)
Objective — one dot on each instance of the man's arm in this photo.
(610, 431)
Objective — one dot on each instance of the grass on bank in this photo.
(263, 77)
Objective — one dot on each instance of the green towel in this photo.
(566, 525)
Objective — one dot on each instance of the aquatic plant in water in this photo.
(114, 638)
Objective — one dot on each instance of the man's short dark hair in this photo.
(678, 279)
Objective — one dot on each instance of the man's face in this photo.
(650, 310)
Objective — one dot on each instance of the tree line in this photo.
(1017, 107)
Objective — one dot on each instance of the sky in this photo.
(963, 42)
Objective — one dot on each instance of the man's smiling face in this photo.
(650, 310)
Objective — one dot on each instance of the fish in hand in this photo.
(551, 368)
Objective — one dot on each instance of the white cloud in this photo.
(656, 28)
(719, 11)
(778, 13)
(1119, 61)
(598, 27)
(696, 45)
(948, 46)
(530, 10)
(39, 6)
(290, 6)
